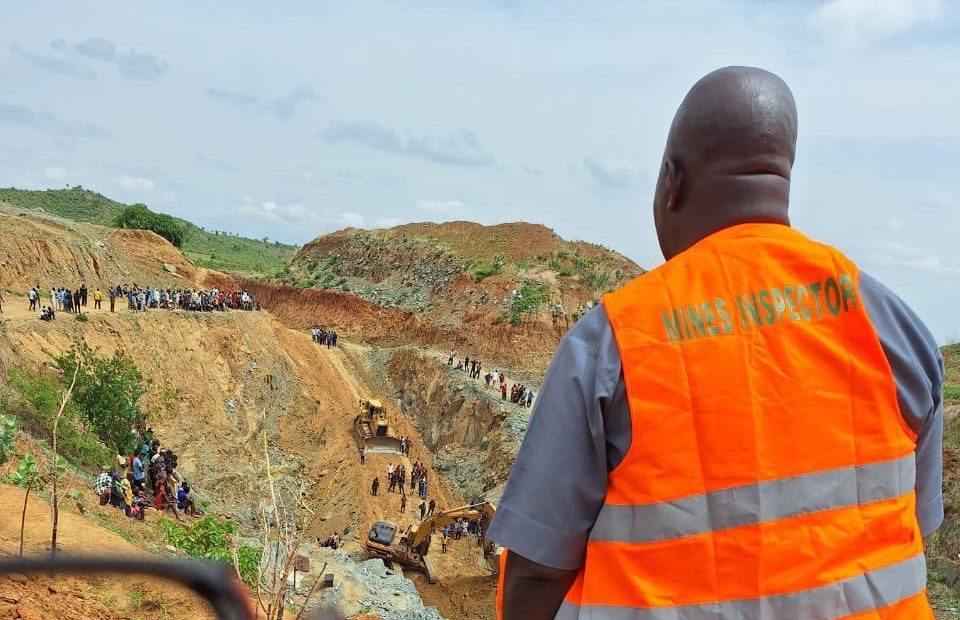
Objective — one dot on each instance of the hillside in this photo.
(507, 293)
(213, 250)
(53, 252)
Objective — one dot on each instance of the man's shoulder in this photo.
(892, 317)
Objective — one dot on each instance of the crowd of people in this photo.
(143, 299)
(463, 529)
(323, 336)
(519, 393)
(147, 478)
(139, 299)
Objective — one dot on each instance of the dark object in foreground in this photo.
(217, 584)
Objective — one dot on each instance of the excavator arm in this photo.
(418, 534)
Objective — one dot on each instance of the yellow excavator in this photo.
(413, 547)
(373, 430)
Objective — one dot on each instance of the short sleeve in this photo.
(559, 480)
(917, 366)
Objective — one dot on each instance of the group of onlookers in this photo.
(141, 299)
(519, 393)
(323, 336)
(149, 470)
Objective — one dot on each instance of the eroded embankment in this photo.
(526, 347)
(50, 251)
(475, 437)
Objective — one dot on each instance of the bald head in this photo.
(728, 157)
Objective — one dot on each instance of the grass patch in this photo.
(529, 298)
(35, 399)
(485, 270)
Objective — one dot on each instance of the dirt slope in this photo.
(50, 251)
(84, 597)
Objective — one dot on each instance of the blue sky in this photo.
(290, 120)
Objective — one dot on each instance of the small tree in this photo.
(107, 392)
(55, 465)
(27, 477)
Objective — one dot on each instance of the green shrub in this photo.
(206, 539)
(107, 393)
(528, 300)
(248, 559)
(138, 216)
(9, 427)
(36, 400)
(481, 272)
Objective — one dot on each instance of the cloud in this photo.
(441, 207)
(297, 214)
(897, 254)
(56, 173)
(131, 64)
(236, 98)
(612, 173)
(531, 170)
(98, 49)
(286, 106)
(217, 164)
(854, 22)
(135, 183)
(137, 66)
(460, 148)
(54, 65)
(20, 115)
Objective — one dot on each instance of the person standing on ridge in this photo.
(752, 430)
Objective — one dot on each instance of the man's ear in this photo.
(673, 176)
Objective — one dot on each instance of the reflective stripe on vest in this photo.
(870, 591)
(756, 503)
(770, 473)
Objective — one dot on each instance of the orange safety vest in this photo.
(770, 474)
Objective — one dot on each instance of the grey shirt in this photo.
(580, 430)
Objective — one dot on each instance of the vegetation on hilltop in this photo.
(139, 217)
(211, 249)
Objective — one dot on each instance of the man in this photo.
(403, 502)
(375, 486)
(431, 508)
(750, 431)
(113, 299)
(423, 510)
(363, 455)
(139, 475)
(32, 298)
(102, 485)
(97, 298)
(83, 295)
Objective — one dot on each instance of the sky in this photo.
(289, 120)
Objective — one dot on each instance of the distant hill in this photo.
(507, 292)
(214, 250)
